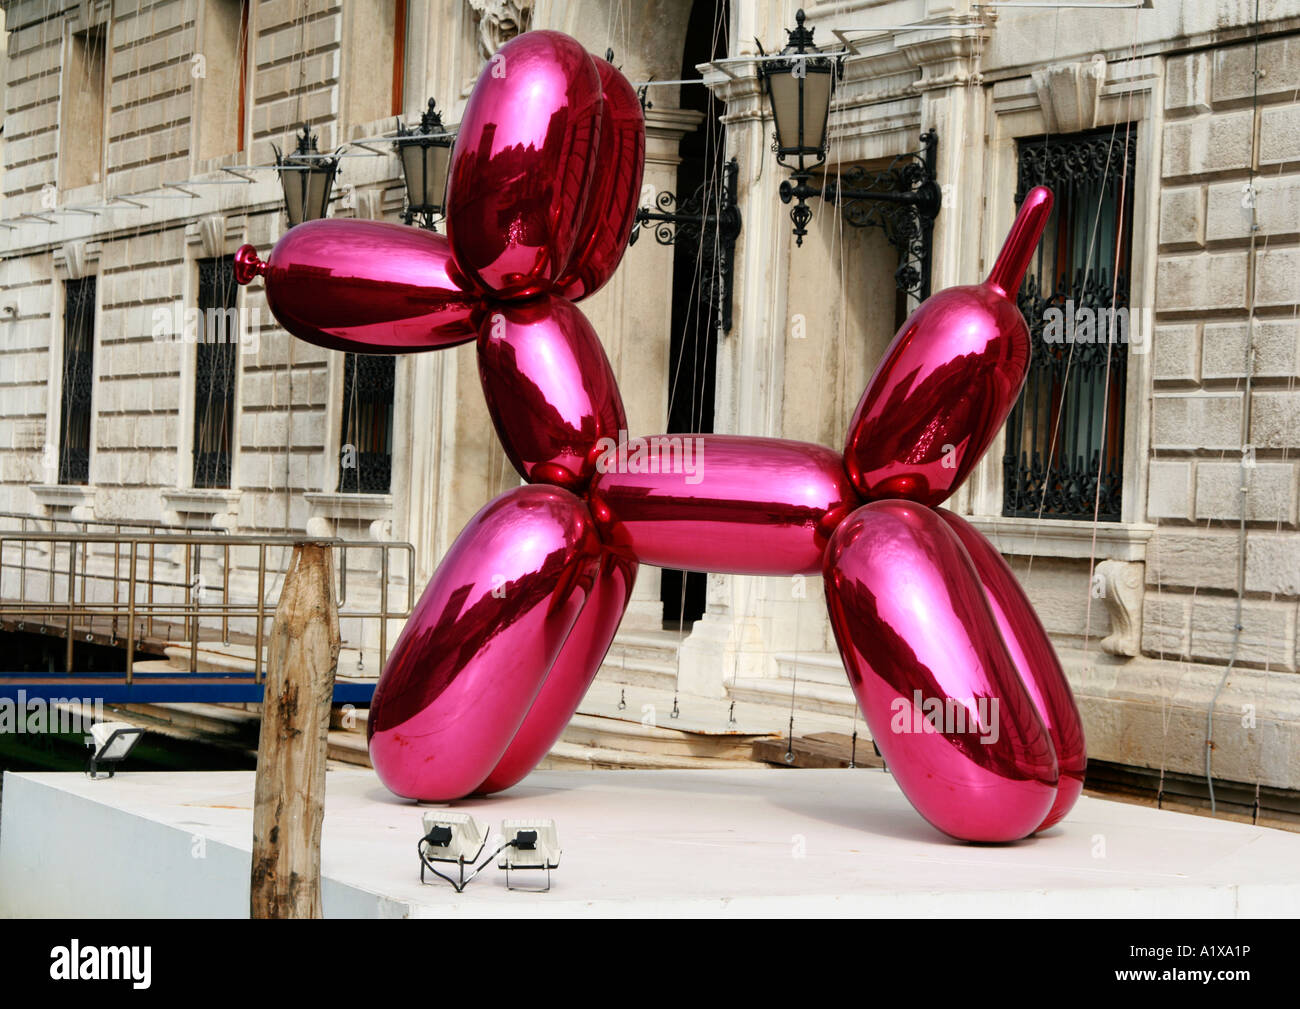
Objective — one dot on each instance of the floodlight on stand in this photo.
(529, 844)
(110, 743)
(454, 838)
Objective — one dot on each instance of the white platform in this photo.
(769, 843)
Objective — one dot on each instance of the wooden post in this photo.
(289, 797)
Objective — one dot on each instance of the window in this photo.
(214, 372)
(375, 71)
(1064, 455)
(223, 91)
(366, 453)
(81, 103)
(78, 380)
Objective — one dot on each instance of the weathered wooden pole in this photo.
(289, 796)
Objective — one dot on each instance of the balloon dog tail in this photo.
(1009, 271)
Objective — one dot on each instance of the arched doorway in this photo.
(692, 370)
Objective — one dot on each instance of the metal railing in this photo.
(74, 582)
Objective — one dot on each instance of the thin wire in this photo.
(1277, 526)
(1114, 297)
(1245, 434)
(695, 325)
(794, 686)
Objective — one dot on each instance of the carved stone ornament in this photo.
(498, 21)
(1122, 584)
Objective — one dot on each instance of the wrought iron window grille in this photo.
(366, 453)
(78, 380)
(216, 364)
(1064, 454)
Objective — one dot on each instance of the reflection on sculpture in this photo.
(955, 675)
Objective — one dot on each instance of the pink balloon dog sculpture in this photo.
(958, 682)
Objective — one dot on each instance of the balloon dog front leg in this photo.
(480, 643)
(573, 672)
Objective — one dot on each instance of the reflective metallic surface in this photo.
(614, 189)
(549, 388)
(525, 153)
(571, 675)
(1035, 658)
(504, 643)
(934, 680)
(480, 642)
(722, 503)
(948, 380)
(365, 286)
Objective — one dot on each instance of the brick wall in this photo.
(1213, 135)
(145, 258)
(31, 103)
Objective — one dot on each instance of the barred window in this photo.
(366, 452)
(215, 368)
(1065, 436)
(78, 380)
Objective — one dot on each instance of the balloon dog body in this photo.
(958, 682)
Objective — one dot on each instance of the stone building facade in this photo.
(135, 149)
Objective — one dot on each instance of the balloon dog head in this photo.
(959, 684)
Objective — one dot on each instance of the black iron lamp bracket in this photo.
(710, 219)
(903, 200)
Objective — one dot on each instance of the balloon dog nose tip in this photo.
(248, 265)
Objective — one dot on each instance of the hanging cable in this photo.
(1244, 467)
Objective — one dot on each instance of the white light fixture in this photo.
(110, 743)
(458, 839)
(530, 844)
(455, 838)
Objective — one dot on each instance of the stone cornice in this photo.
(1064, 538)
(947, 57)
(76, 258)
(664, 128)
(215, 233)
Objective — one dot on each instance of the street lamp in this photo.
(799, 89)
(307, 177)
(903, 199)
(425, 152)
